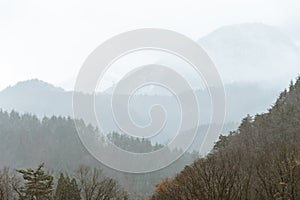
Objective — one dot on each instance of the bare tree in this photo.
(95, 186)
(8, 182)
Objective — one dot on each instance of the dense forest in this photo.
(27, 141)
(260, 160)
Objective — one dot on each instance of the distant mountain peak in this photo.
(33, 84)
(247, 32)
(253, 51)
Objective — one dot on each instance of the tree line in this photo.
(260, 160)
(26, 141)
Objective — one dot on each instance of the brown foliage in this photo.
(258, 161)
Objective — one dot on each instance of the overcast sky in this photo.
(50, 40)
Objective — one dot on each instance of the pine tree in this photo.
(38, 184)
(66, 189)
(74, 191)
(60, 193)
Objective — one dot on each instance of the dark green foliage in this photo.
(67, 189)
(61, 188)
(27, 141)
(75, 192)
(132, 144)
(37, 186)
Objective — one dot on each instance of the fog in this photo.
(50, 40)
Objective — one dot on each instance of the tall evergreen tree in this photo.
(38, 184)
(60, 193)
(74, 191)
(66, 189)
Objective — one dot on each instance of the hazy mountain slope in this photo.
(240, 51)
(43, 99)
(37, 97)
(253, 52)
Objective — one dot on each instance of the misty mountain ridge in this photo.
(240, 51)
(34, 85)
(254, 50)
(244, 53)
(37, 96)
(52, 101)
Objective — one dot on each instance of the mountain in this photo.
(33, 86)
(38, 97)
(260, 160)
(243, 52)
(253, 52)
(43, 99)
(255, 62)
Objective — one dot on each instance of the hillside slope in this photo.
(261, 160)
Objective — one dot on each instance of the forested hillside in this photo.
(27, 141)
(261, 160)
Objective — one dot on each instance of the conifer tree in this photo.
(37, 186)
(61, 187)
(74, 192)
(66, 189)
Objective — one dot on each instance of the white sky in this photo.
(50, 39)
